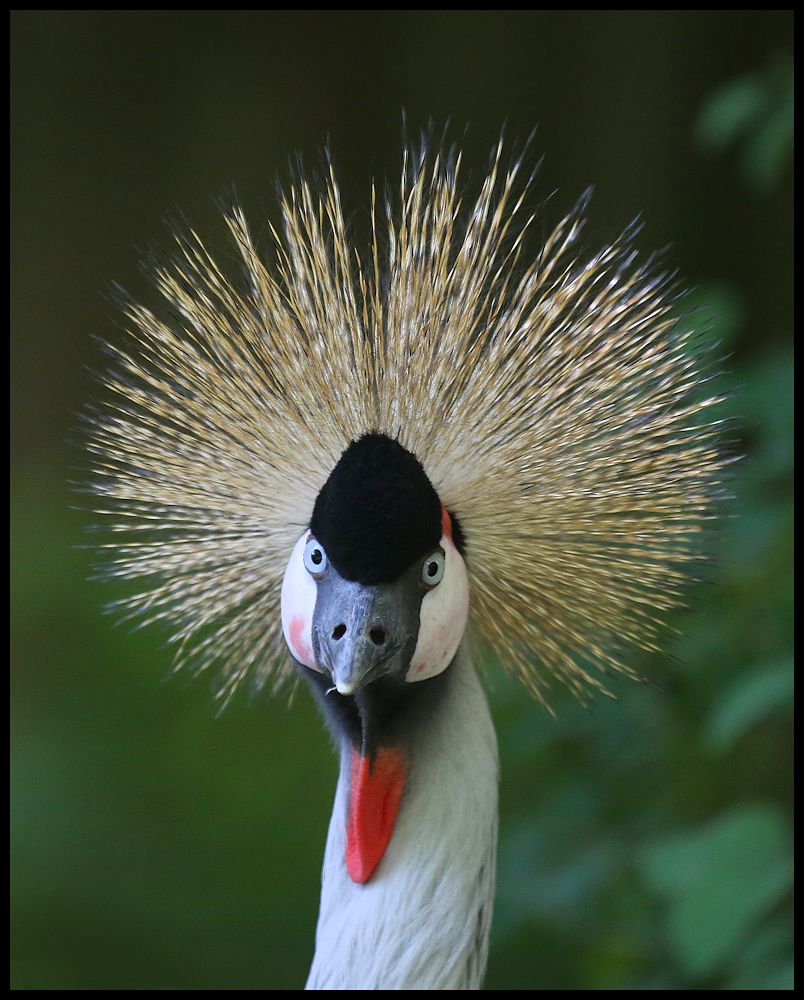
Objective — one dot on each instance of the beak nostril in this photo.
(377, 636)
(339, 631)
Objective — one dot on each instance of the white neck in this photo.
(423, 919)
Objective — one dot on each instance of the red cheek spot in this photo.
(419, 668)
(300, 647)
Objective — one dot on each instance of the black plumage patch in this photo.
(377, 512)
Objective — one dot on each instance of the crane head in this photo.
(376, 588)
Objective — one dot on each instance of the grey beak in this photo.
(353, 635)
(363, 631)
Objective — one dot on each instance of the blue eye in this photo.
(433, 569)
(315, 558)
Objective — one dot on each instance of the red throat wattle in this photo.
(375, 792)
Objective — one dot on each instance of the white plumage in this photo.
(424, 922)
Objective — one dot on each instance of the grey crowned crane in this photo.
(399, 461)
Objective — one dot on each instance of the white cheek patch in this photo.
(442, 619)
(298, 603)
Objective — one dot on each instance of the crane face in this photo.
(376, 588)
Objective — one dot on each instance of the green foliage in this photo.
(755, 114)
(718, 880)
(762, 694)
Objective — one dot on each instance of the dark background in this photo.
(645, 842)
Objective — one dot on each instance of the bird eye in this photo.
(433, 569)
(315, 558)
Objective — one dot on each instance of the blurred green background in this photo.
(645, 841)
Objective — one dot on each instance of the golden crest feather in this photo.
(558, 405)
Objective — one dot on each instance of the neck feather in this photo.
(423, 919)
